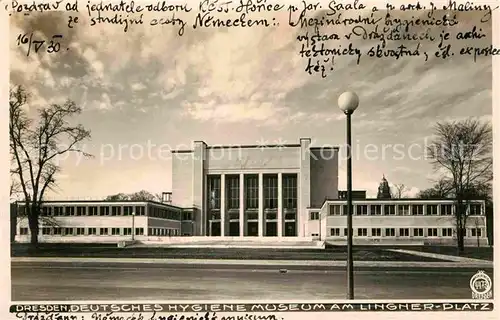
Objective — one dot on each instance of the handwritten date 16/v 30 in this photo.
(36, 45)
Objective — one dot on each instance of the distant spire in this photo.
(384, 190)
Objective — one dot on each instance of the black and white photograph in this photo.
(251, 150)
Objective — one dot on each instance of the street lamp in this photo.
(348, 102)
(133, 225)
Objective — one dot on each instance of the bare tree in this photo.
(36, 144)
(440, 190)
(399, 190)
(462, 150)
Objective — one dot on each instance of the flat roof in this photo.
(111, 202)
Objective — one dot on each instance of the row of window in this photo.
(251, 191)
(66, 211)
(400, 209)
(403, 232)
(65, 231)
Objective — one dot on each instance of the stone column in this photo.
(280, 205)
(222, 205)
(242, 204)
(261, 205)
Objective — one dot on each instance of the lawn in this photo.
(111, 251)
(484, 253)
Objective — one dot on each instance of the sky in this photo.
(150, 89)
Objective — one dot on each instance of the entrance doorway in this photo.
(253, 229)
(290, 229)
(271, 229)
(216, 229)
(234, 229)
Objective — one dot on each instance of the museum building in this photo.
(252, 191)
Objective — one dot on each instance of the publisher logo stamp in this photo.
(481, 286)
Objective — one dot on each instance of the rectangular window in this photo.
(418, 232)
(432, 232)
(103, 231)
(57, 211)
(92, 211)
(403, 210)
(80, 211)
(404, 232)
(58, 231)
(233, 191)
(251, 191)
(417, 210)
(376, 232)
(127, 231)
(68, 231)
(390, 232)
(47, 211)
(115, 231)
(140, 210)
(80, 231)
(335, 210)
(69, 211)
(376, 210)
(270, 191)
(104, 211)
(361, 210)
(432, 210)
(447, 232)
(345, 232)
(139, 231)
(127, 210)
(475, 209)
(390, 210)
(46, 231)
(446, 209)
(92, 231)
(335, 232)
(344, 210)
(476, 232)
(214, 192)
(290, 191)
(314, 215)
(116, 211)
(23, 231)
(362, 232)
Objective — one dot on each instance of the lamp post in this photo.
(133, 225)
(348, 102)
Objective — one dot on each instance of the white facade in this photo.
(398, 221)
(273, 192)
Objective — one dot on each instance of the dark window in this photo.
(116, 211)
(417, 209)
(376, 209)
(390, 232)
(127, 210)
(251, 191)
(446, 209)
(390, 209)
(432, 209)
(290, 191)
(104, 211)
(214, 192)
(233, 192)
(270, 191)
(362, 210)
(80, 211)
(92, 211)
(140, 210)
